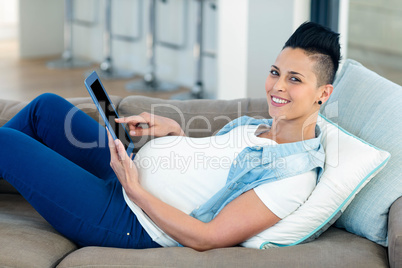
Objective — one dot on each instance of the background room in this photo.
(226, 56)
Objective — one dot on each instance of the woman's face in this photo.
(291, 86)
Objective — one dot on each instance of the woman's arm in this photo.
(241, 219)
(158, 126)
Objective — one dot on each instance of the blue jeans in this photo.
(57, 157)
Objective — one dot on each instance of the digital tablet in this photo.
(108, 111)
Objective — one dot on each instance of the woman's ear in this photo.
(326, 91)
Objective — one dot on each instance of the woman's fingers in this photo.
(117, 151)
(135, 119)
(136, 123)
(121, 152)
(111, 143)
(112, 147)
(139, 131)
(147, 124)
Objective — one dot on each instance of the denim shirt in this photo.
(262, 164)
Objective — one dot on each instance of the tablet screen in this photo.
(110, 112)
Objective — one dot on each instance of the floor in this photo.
(25, 79)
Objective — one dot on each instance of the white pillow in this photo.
(350, 164)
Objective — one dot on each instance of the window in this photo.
(374, 32)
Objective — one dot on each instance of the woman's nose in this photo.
(279, 85)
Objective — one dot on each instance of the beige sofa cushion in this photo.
(27, 240)
(8, 109)
(330, 250)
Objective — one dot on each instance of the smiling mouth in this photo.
(277, 100)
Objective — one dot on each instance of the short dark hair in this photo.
(321, 43)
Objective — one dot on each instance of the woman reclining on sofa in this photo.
(205, 193)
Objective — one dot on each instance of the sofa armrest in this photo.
(395, 234)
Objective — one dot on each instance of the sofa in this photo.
(368, 106)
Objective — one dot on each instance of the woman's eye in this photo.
(295, 79)
(273, 72)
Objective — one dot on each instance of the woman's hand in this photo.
(158, 126)
(125, 169)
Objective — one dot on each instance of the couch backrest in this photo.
(199, 118)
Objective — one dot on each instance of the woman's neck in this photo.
(284, 131)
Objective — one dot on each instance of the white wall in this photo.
(8, 19)
(270, 25)
(252, 33)
(232, 49)
(40, 27)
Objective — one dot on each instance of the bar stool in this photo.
(150, 82)
(67, 60)
(106, 69)
(197, 91)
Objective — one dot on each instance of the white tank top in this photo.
(185, 172)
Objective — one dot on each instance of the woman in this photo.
(98, 196)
